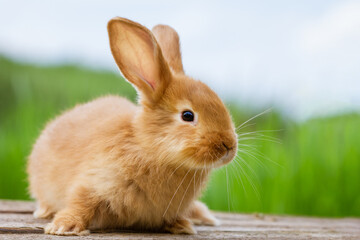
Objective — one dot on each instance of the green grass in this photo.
(313, 171)
(316, 171)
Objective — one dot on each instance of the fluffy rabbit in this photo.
(112, 164)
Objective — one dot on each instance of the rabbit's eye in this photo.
(187, 116)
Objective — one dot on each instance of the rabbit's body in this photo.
(124, 182)
(112, 164)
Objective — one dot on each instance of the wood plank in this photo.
(17, 222)
(10, 206)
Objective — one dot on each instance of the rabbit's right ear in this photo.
(139, 58)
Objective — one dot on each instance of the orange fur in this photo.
(112, 164)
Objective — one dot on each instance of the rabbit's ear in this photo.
(139, 57)
(168, 40)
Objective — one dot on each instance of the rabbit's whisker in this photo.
(249, 167)
(261, 138)
(252, 118)
(252, 155)
(258, 131)
(176, 191)
(175, 170)
(227, 187)
(249, 179)
(239, 177)
(245, 126)
(187, 188)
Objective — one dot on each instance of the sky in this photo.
(300, 56)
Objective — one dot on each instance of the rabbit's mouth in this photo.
(213, 150)
(221, 155)
(226, 149)
(226, 158)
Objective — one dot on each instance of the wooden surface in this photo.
(17, 222)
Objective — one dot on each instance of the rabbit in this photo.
(113, 164)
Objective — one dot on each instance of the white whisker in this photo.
(176, 169)
(176, 191)
(182, 199)
(266, 111)
(251, 182)
(239, 177)
(227, 188)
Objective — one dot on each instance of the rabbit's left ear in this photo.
(139, 58)
(169, 41)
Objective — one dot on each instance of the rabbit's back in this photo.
(69, 142)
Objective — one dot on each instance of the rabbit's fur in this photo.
(112, 164)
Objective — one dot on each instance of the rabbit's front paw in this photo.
(66, 226)
(43, 212)
(181, 226)
(200, 215)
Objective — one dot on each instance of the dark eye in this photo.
(187, 116)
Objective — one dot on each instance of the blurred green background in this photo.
(286, 167)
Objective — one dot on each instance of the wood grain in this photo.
(17, 222)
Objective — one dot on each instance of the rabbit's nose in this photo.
(227, 148)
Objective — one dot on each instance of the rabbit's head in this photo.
(182, 121)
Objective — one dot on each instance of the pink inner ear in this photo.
(148, 65)
(146, 69)
(138, 56)
(149, 74)
(150, 83)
